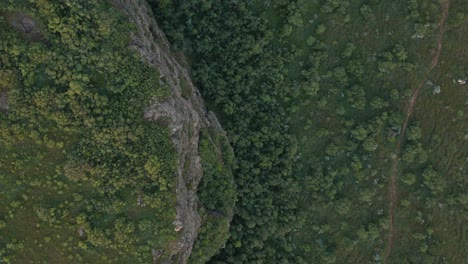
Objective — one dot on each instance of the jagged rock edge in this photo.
(186, 117)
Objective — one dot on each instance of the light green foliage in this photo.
(321, 29)
(414, 153)
(366, 12)
(350, 48)
(76, 155)
(408, 178)
(434, 181)
(332, 150)
(370, 145)
(414, 133)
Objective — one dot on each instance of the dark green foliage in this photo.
(217, 190)
(217, 195)
(354, 65)
(361, 56)
(245, 79)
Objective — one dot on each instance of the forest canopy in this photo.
(345, 121)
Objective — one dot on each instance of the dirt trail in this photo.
(392, 187)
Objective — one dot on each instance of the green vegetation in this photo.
(217, 194)
(83, 177)
(346, 121)
(244, 78)
(336, 75)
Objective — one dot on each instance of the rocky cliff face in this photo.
(185, 115)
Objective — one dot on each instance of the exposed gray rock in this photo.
(178, 225)
(81, 232)
(140, 201)
(183, 114)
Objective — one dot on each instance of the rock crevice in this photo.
(184, 114)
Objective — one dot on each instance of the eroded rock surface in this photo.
(183, 113)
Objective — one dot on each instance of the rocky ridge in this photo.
(183, 113)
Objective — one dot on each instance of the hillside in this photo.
(372, 93)
(104, 139)
(341, 137)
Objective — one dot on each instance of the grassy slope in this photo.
(439, 217)
(53, 124)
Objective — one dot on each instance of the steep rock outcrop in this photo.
(183, 113)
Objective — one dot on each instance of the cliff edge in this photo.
(184, 114)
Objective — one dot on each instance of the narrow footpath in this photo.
(409, 109)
